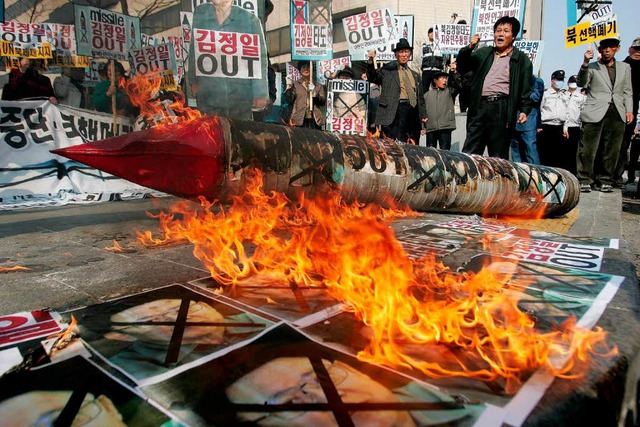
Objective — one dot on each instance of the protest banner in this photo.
(63, 42)
(347, 106)
(589, 32)
(227, 54)
(533, 49)
(19, 35)
(404, 29)
(155, 60)
(370, 30)
(450, 38)
(30, 175)
(487, 12)
(577, 13)
(311, 30)
(329, 66)
(105, 34)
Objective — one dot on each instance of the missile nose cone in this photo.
(186, 160)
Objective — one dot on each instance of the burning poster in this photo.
(450, 38)
(105, 34)
(283, 378)
(73, 392)
(487, 12)
(279, 299)
(152, 333)
(347, 106)
(25, 326)
(311, 30)
(370, 30)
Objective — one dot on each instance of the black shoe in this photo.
(606, 188)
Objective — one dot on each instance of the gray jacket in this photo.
(439, 104)
(66, 92)
(596, 79)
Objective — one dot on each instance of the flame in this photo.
(144, 93)
(408, 306)
(65, 337)
(14, 268)
(410, 141)
(116, 247)
(375, 134)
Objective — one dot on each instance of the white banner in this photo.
(533, 49)
(450, 38)
(227, 54)
(370, 30)
(30, 175)
(105, 34)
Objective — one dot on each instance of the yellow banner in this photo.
(587, 32)
(42, 52)
(69, 61)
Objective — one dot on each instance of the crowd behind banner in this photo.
(220, 64)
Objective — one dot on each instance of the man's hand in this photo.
(371, 55)
(565, 133)
(588, 56)
(312, 87)
(522, 118)
(260, 104)
(629, 117)
(475, 39)
(289, 80)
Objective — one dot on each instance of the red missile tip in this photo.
(185, 159)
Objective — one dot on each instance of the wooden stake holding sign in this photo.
(112, 68)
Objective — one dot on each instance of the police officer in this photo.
(553, 114)
(432, 61)
(571, 130)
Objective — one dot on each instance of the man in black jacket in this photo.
(401, 104)
(501, 88)
(634, 62)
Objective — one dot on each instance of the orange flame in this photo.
(65, 337)
(116, 247)
(144, 91)
(405, 304)
(14, 268)
(375, 134)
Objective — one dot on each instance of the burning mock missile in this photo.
(207, 157)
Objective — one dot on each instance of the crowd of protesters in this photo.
(584, 122)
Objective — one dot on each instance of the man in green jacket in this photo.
(500, 88)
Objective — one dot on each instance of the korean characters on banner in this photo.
(533, 49)
(450, 38)
(293, 72)
(63, 43)
(26, 40)
(347, 106)
(404, 29)
(487, 12)
(227, 54)
(370, 30)
(328, 67)
(105, 34)
(311, 30)
(588, 32)
(155, 60)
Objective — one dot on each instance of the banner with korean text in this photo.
(450, 38)
(533, 49)
(30, 175)
(347, 106)
(26, 40)
(370, 30)
(311, 30)
(487, 12)
(589, 32)
(105, 34)
(63, 43)
(227, 54)
(157, 60)
(404, 29)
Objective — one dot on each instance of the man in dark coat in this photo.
(401, 108)
(501, 88)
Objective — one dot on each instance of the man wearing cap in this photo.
(500, 89)
(571, 128)
(634, 62)
(401, 103)
(553, 113)
(439, 104)
(607, 109)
